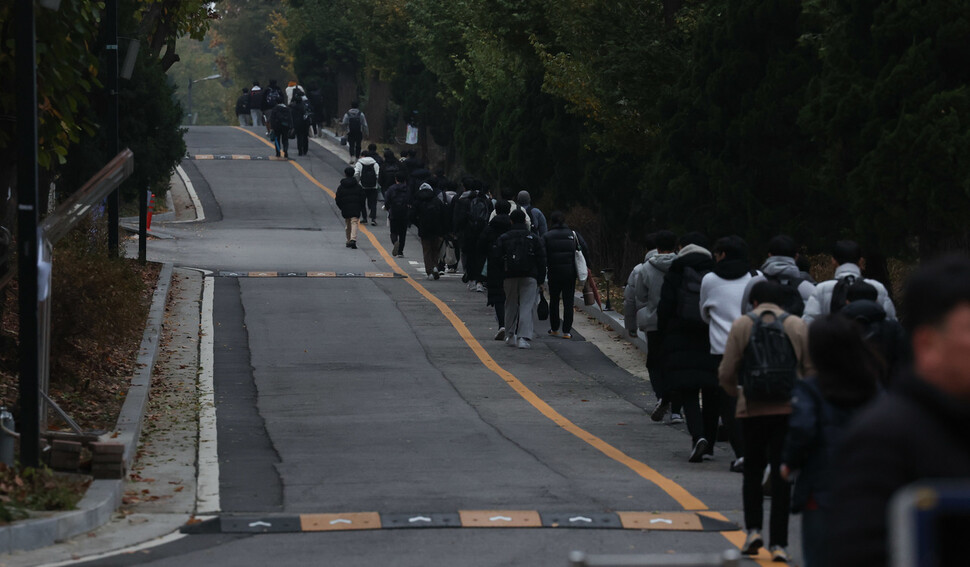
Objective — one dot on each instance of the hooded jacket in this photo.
(350, 198)
(783, 267)
(885, 335)
(428, 213)
(820, 302)
(688, 362)
(363, 121)
(359, 167)
(537, 249)
(536, 220)
(722, 292)
(647, 280)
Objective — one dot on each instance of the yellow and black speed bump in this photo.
(269, 274)
(648, 521)
(218, 157)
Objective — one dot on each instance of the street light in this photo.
(192, 117)
(608, 275)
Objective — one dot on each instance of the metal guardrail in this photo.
(730, 558)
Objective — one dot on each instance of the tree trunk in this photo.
(378, 93)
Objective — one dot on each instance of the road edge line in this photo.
(207, 483)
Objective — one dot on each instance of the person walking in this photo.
(301, 122)
(823, 406)
(690, 370)
(830, 295)
(367, 171)
(317, 111)
(765, 354)
(886, 336)
(524, 262)
(350, 201)
(782, 267)
(427, 213)
(494, 265)
(647, 282)
(271, 98)
(472, 210)
(537, 220)
(722, 292)
(397, 202)
(280, 123)
(561, 244)
(256, 104)
(916, 432)
(355, 125)
(242, 108)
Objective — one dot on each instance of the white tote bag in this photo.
(582, 271)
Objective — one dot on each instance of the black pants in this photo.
(353, 144)
(370, 195)
(655, 363)
(472, 258)
(764, 437)
(303, 140)
(700, 422)
(500, 312)
(729, 406)
(566, 290)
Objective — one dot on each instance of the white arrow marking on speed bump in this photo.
(659, 520)
(419, 519)
(581, 519)
(258, 524)
(340, 521)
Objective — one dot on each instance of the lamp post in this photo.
(191, 82)
(608, 275)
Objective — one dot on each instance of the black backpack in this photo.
(368, 177)
(689, 295)
(517, 252)
(281, 118)
(478, 214)
(840, 293)
(794, 304)
(273, 97)
(353, 125)
(769, 368)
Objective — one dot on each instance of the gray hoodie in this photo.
(783, 267)
(643, 290)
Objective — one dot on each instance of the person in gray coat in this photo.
(847, 257)
(781, 267)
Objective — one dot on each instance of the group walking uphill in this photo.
(798, 377)
(285, 114)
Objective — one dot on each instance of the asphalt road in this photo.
(369, 394)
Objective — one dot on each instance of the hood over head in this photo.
(693, 249)
(523, 198)
(781, 266)
(662, 261)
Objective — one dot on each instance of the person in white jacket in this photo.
(847, 257)
(722, 292)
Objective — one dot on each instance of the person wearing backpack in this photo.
(472, 210)
(301, 121)
(428, 214)
(847, 379)
(689, 368)
(494, 266)
(355, 124)
(524, 264)
(242, 108)
(766, 352)
(886, 336)
(537, 220)
(509, 195)
(280, 124)
(848, 261)
(782, 267)
(397, 202)
(722, 291)
(561, 244)
(271, 98)
(368, 171)
(350, 201)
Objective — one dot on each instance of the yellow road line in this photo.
(687, 500)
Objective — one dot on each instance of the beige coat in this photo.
(737, 341)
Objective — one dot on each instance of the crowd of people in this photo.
(810, 383)
(290, 113)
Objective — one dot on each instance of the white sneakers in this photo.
(523, 342)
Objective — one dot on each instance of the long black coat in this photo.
(915, 432)
(495, 274)
(686, 345)
(428, 214)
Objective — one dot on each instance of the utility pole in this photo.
(111, 120)
(27, 237)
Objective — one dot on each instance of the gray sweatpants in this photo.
(520, 305)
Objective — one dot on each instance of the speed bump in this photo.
(500, 519)
(667, 521)
(340, 522)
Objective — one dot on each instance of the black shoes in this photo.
(697, 455)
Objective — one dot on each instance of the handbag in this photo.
(343, 140)
(543, 309)
(582, 271)
(588, 297)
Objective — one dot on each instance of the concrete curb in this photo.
(611, 318)
(103, 496)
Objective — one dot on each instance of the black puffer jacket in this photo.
(506, 242)
(886, 336)
(688, 362)
(499, 225)
(350, 198)
(428, 214)
(561, 252)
